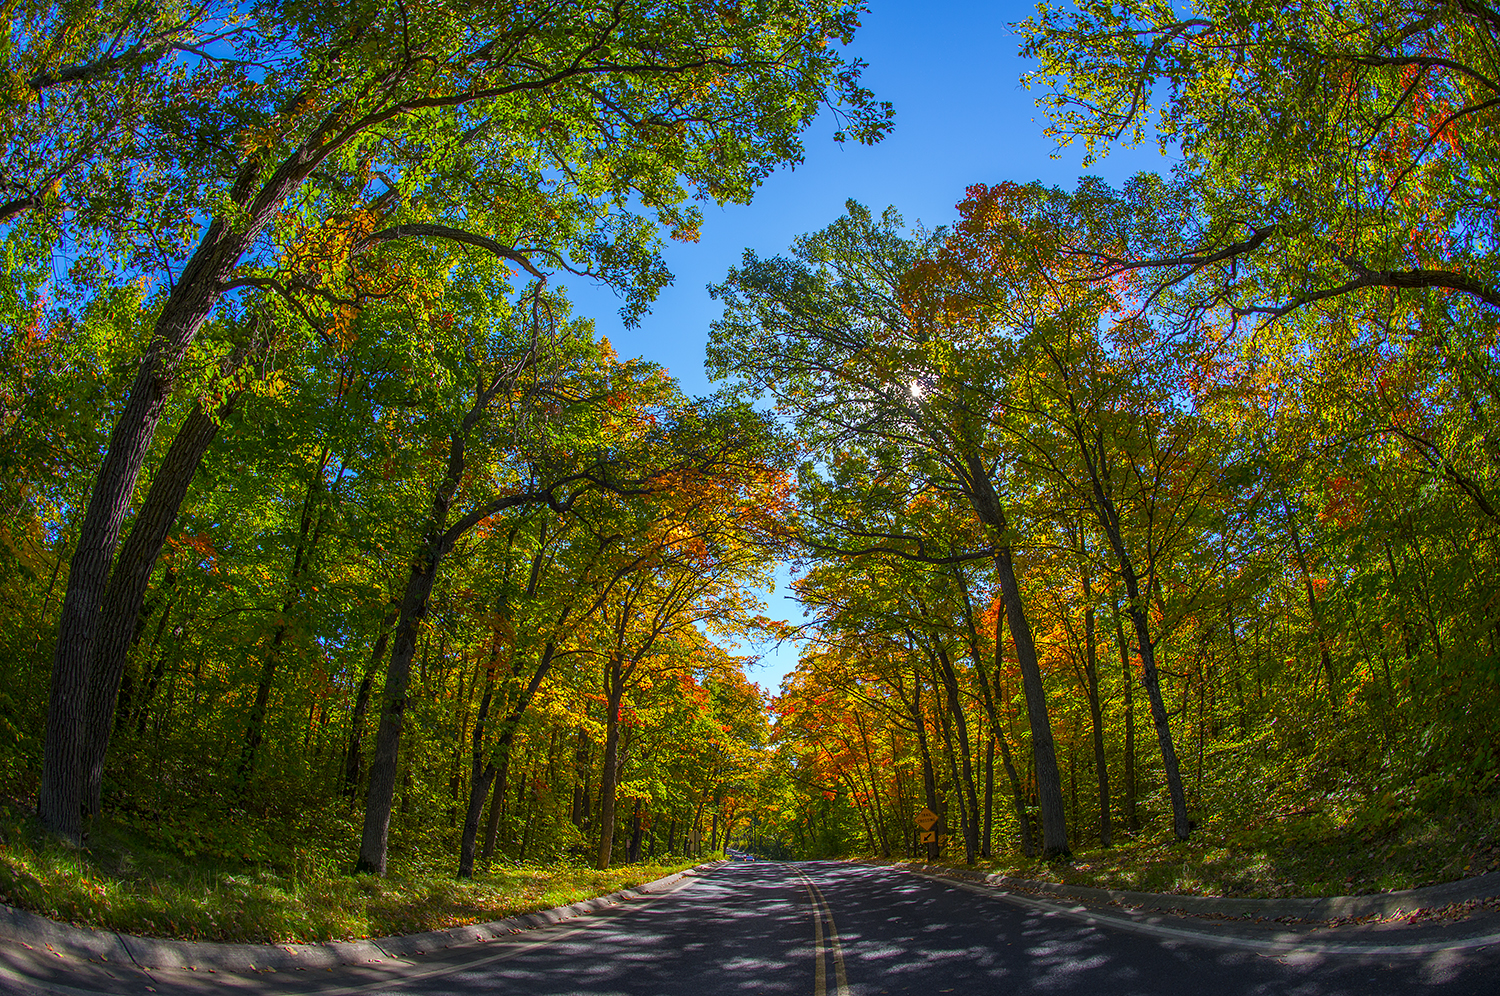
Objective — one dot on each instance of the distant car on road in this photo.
(734, 855)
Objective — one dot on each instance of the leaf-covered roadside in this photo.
(1322, 849)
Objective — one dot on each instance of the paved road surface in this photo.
(833, 929)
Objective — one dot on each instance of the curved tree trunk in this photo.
(1044, 751)
(60, 794)
(123, 600)
(479, 782)
(382, 790)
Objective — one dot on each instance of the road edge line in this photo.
(1284, 945)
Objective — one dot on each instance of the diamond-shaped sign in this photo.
(927, 819)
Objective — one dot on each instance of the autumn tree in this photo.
(222, 154)
(827, 334)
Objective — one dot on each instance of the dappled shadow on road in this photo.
(743, 929)
(747, 929)
(903, 934)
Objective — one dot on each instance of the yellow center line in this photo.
(820, 973)
(835, 946)
(821, 911)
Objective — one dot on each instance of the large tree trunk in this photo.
(125, 597)
(382, 790)
(1044, 752)
(60, 794)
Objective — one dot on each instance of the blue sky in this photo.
(962, 117)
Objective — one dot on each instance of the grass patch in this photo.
(172, 885)
(1323, 850)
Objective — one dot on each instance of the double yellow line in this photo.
(822, 913)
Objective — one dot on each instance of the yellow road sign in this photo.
(927, 819)
(928, 837)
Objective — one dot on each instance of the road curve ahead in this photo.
(835, 929)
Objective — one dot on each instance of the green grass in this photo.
(169, 885)
(1321, 851)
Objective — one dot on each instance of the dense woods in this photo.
(1117, 513)
(1129, 511)
(322, 511)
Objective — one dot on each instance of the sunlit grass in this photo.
(1327, 851)
(123, 882)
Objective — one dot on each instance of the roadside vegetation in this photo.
(1311, 854)
(285, 884)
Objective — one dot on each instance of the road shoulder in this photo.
(1456, 915)
(38, 933)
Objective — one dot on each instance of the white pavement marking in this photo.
(1284, 945)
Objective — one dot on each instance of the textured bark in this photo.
(60, 794)
(1044, 751)
(125, 597)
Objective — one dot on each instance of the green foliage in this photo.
(202, 880)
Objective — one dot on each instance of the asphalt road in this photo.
(833, 929)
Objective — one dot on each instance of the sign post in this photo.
(927, 819)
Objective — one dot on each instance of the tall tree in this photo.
(528, 133)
